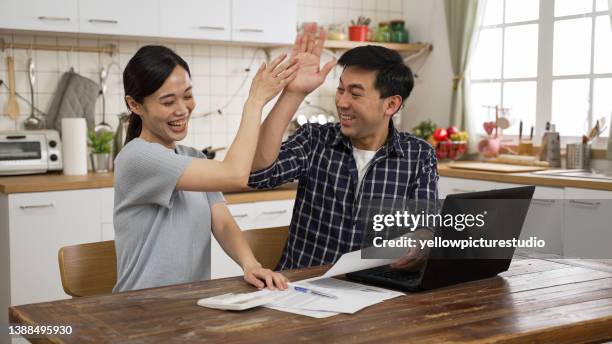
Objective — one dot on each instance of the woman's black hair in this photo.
(144, 74)
(393, 76)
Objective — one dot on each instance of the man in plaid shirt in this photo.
(342, 166)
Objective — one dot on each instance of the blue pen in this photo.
(314, 292)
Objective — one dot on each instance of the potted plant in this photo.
(100, 145)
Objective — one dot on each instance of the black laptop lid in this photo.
(505, 210)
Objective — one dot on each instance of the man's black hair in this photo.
(393, 76)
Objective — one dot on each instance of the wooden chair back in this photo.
(267, 244)
(88, 269)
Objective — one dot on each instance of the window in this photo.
(547, 61)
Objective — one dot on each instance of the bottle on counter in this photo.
(383, 33)
(399, 34)
(550, 149)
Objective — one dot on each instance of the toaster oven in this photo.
(30, 151)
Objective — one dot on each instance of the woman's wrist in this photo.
(255, 103)
(251, 264)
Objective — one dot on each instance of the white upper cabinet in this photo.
(39, 15)
(264, 21)
(196, 19)
(116, 17)
(247, 21)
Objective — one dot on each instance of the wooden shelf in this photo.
(401, 48)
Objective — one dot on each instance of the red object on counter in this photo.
(358, 33)
(440, 134)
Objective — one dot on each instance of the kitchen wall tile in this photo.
(184, 50)
(46, 82)
(369, 4)
(396, 5)
(3, 104)
(3, 75)
(128, 46)
(201, 85)
(382, 5)
(218, 66)
(89, 63)
(218, 85)
(200, 66)
(341, 15)
(7, 123)
(23, 38)
(234, 51)
(21, 57)
(201, 50)
(341, 4)
(218, 51)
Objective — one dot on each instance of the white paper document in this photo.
(319, 297)
(352, 261)
(348, 298)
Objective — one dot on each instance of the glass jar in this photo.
(398, 32)
(383, 34)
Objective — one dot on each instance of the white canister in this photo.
(74, 146)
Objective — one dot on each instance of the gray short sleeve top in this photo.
(162, 235)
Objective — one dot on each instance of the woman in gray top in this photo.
(167, 196)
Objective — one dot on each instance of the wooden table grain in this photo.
(536, 300)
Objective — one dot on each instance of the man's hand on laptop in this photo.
(415, 257)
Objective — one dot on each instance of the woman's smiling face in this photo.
(166, 112)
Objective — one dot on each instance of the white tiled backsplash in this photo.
(217, 70)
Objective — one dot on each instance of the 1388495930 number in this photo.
(39, 330)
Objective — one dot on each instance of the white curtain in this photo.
(463, 20)
(610, 124)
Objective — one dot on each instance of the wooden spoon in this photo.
(12, 107)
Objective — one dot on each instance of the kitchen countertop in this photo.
(525, 178)
(59, 182)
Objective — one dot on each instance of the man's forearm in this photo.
(272, 130)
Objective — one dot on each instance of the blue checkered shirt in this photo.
(325, 221)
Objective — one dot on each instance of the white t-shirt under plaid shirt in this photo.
(325, 222)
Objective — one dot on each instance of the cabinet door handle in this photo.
(241, 215)
(36, 206)
(462, 190)
(216, 28)
(544, 201)
(103, 21)
(583, 203)
(251, 30)
(274, 212)
(50, 18)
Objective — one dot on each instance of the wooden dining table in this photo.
(536, 300)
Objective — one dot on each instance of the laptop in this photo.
(507, 209)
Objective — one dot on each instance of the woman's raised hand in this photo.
(272, 78)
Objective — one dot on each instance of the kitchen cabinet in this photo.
(264, 21)
(196, 19)
(33, 227)
(40, 15)
(545, 218)
(38, 225)
(117, 17)
(448, 185)
(588, 233)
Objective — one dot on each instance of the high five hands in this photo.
(307, 51)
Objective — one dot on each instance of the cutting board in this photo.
(490, 167)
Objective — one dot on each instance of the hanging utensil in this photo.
(32, 122)
(103, 127)
(12, 108)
